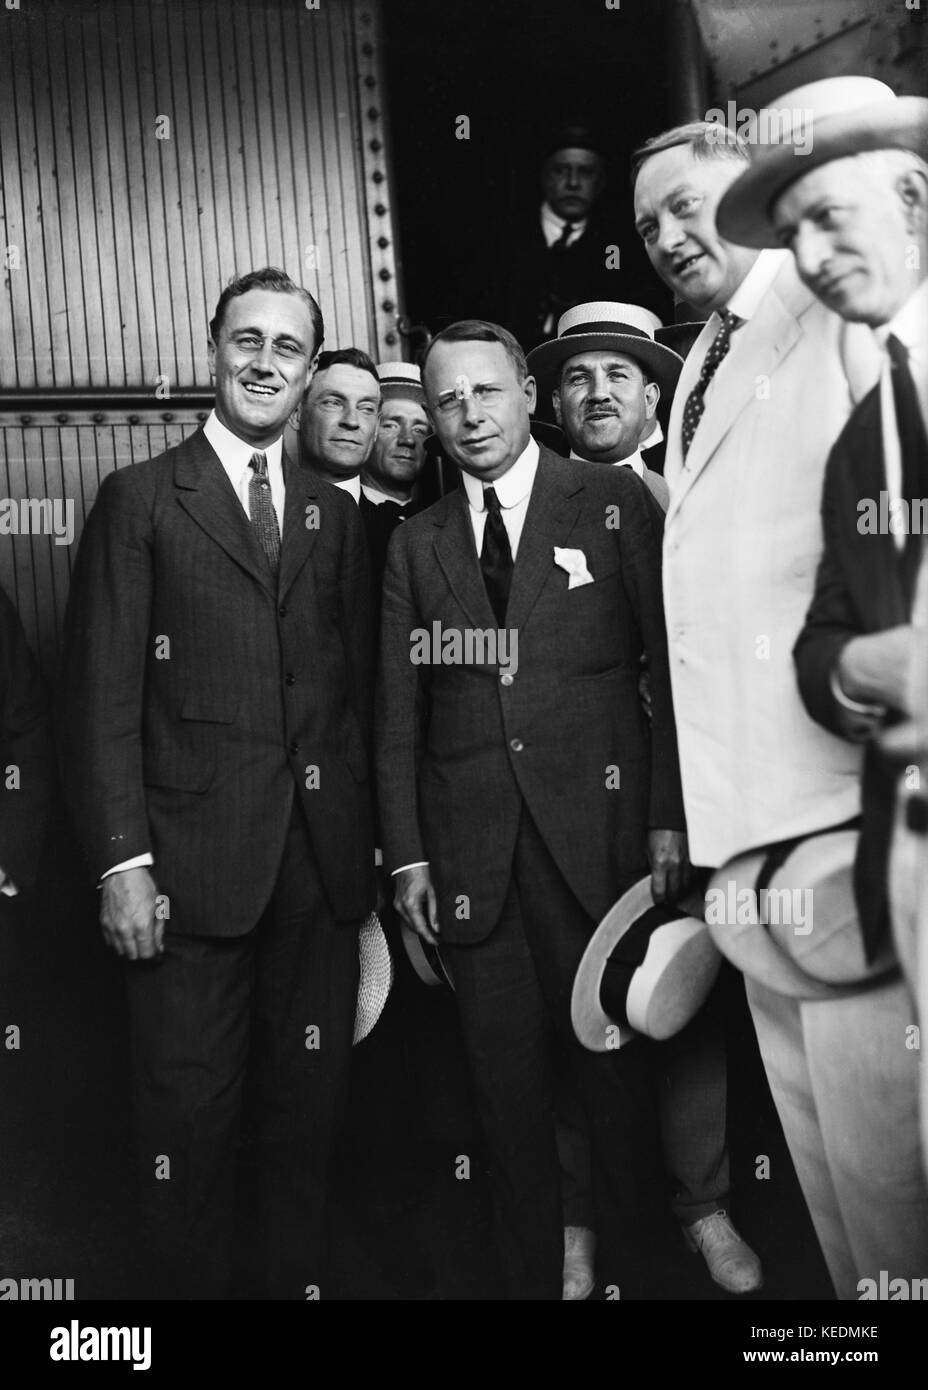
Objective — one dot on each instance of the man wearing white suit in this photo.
(762, 396)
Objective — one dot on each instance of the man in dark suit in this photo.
(521, 787)
(397, 457)
(530, 270)
(216, 686)
(25, 757)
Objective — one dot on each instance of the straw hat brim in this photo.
(744, 213)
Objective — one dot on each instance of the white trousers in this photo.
(846, 1085)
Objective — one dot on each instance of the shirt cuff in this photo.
(141, 861)
(9, 889)
(877, 711)
(419, 864)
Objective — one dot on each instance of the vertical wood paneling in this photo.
(126, 241)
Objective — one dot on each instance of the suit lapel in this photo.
(757, 350)
(209, 498)
(457, 555)
(551, 516)
(765, 341)
(302, 492)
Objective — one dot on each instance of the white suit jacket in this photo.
(742, 541)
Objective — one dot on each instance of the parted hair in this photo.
(268, 278)
(706, 140)
(480, 331)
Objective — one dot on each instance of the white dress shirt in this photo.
(235, 456)
(655, 437)
(552, 226)
(513, 489)
(350, 485)
(373, 494)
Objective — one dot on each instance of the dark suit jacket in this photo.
(460, 747)
(192, 751)
(25, 753)
(861, 587)
(517, 280)
(380, 521)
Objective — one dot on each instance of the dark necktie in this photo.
(566, 234)
(496, 556)
(913, 442)
(261, 510)
(696, 400)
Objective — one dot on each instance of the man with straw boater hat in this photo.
(606, 374)
(853, 210)
(763, 393)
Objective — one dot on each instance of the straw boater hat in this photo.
(376, 977)
(400, 379)
(821, 956)
(599, 327)
(849, 115)
(648, 969)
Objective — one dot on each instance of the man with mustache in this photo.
(216, 689)
(606, 375)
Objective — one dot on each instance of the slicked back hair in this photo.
(705, 139)
(347, 357)
(480, 331)
(269, 278)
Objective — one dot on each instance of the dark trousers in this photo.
(513, 995)
(691, 1083)
(211, 1011)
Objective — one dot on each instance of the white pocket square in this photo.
(574, 562)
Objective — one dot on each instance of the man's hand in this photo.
(670, 864)
(415, 901)
(127, 915)
(874, 669)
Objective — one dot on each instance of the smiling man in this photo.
(606, 374)
(763, 395)
(504, 838)
(854, 213)
(216, 682)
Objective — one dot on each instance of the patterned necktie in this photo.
(261, 510)
(496, 556)
(696, 400)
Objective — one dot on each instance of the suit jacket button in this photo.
(282, 610)
(516, 745)
(294, 748)
(507, 678)
(289, 678)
